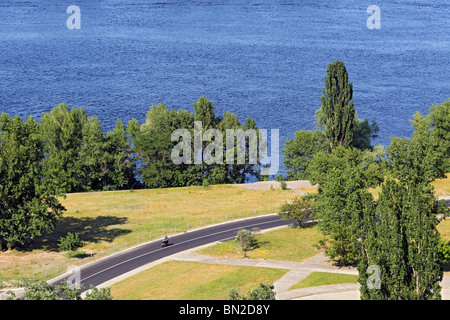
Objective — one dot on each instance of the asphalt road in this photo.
(111, 267)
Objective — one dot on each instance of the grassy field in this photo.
(199, 281)
(444, 229)
(288, 244)
(111, 221)
(180, 280)
(316, 279)
(104, 218)
(442, 186)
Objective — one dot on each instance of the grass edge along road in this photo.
(109, 222)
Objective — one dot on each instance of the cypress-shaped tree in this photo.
(400, 241)
(337, 114)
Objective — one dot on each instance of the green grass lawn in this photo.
(289, 244)
(111, 221)
(180, 280)
(316, 279)
(105, 218)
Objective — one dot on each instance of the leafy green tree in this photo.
(63, 136)
(439, 117)
(426, 155)
(44, 291)
(247, 240)
(91, 165)
(70, 242)
(99, 294)
(28, 206)
(80, 157)
(41, 291)
(363, 133)
(337, 125)
(416, 160)
(368, 163)
(337, 114)
(299, 210)
(299, 151)
(120, 160)
(342, 198)
(153, 145)
(401, 240)
(239, 172)
(444, 251)
(265, 291)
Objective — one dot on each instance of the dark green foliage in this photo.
(337, 114)
(363, 133)
(439, 117)
(44, 291)
(441, 207)
(28, 207)
(262, 292)
(247, 240)
(70, 242)
(367, 163)
(299, 151)
(153, 145)
(99, 294)
(337, 126)
(403, 243)
(80, 157)
(426, 155)
(443, 251)
(299, 210)
(342, 198)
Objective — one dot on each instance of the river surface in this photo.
(265, 59)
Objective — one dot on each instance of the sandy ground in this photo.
(265, 185)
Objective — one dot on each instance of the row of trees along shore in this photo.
(68, 151)
(392, 240)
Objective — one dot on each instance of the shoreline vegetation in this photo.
(50, 169)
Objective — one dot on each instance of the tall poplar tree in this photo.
(400, 240)
(399, 244)
(337, 114)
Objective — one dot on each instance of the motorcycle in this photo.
(165, 243)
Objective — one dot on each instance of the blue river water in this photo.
(265, 59)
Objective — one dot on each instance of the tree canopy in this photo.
(28, 205)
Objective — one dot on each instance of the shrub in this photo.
(262, 292)
(247, 240)
(300, 210)
(70, 242)
(440, 207)
(99, 294)
(444, 251)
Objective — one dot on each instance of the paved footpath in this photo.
(299, 271)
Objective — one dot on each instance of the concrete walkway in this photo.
(297, 272)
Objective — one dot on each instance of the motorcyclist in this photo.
(166, 240)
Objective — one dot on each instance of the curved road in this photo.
(115, 265)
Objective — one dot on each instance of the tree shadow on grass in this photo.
(90, 230)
